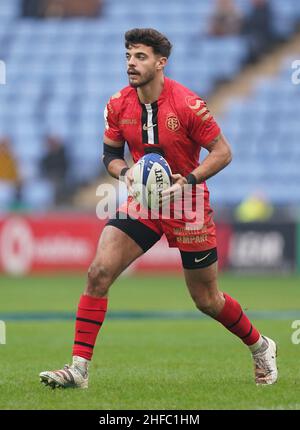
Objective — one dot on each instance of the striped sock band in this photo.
(235, 320)
(89, 318)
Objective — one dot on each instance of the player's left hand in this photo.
(175, 191)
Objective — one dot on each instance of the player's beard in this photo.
(144, 80)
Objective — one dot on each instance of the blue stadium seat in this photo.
(284, 16)
(9, 10)
(38, 195)
(7, 195)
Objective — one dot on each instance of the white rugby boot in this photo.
(265, 367)
(73, 376)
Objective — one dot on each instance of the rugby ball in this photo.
(151, 176)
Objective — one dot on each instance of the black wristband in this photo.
(123, 172)
(191, 179)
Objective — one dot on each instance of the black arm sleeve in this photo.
(111, 153)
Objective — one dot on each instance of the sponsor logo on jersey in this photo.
(198, 106)
(192, 239)
(194, 103)
(190, 229)
(148, 127)
(172, 122)
(128, 121)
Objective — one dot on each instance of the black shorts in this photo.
(145, 237)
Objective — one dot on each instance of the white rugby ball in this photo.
(151, 176)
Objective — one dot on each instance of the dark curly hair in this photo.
(149, 37)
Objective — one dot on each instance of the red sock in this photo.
(234, 319)
(90, 316)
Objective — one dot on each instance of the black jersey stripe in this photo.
(155, 121)
(144, 122)
(150, 124)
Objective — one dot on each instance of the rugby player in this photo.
(157, 114)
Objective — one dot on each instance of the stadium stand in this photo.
(60, 73)
(263, 130)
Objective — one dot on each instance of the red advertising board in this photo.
(67, 242)
(31, 244)
(224, 236)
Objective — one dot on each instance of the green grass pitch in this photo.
(147, 363)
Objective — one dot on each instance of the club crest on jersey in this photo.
(172, 122)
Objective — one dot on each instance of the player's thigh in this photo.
(121, 242)
(115, 251)
(201, 272)
(206, 277)
(203, 288)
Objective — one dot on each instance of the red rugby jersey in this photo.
(178, 122)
